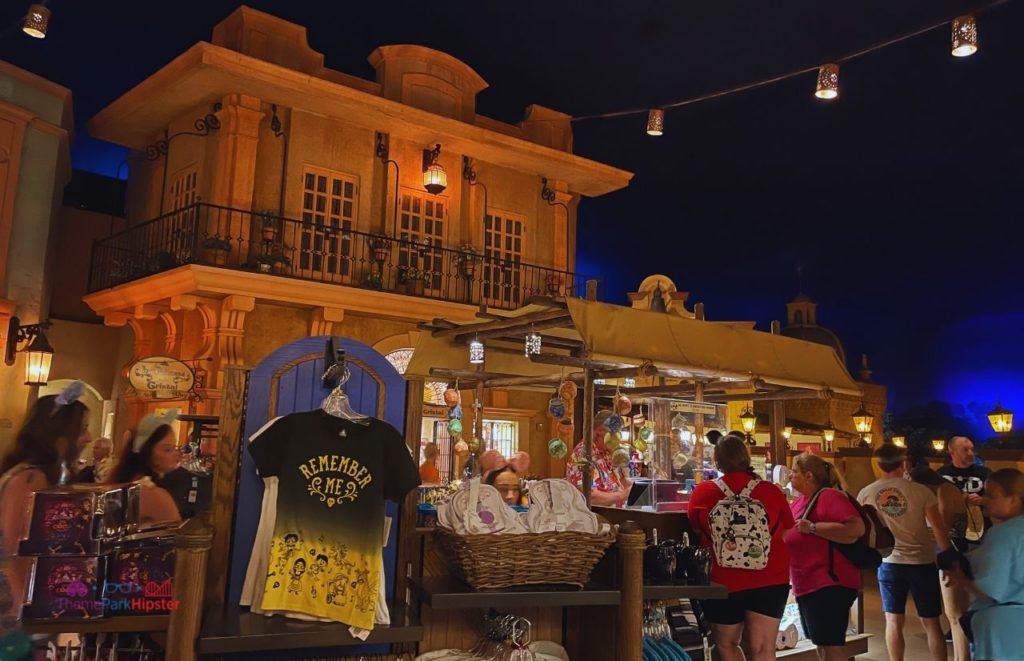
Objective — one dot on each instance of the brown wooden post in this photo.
(778, 441)
(408, 540)
(192, 546)
(225, 481)
(631, 590)
(588, 431)
(698, 423)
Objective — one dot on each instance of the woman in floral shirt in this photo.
(610, 485)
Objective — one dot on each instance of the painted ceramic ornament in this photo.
(622, 405)
(612, 441)
(557, 448)
(474, 445)
(556, 408)
(568, 391)
(452, 397)
(455, 412)
(640, 444)
(613, 424)
(461, 448)
(455, 426)
(620, 457)
(680, 460)
(646, 433)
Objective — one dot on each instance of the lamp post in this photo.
(37, 350)
(939, 445)
(435, 179)
(787, 431)
(1001, 419)
(899, 441)
(862, 422)
(749, 421)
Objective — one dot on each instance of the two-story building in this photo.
(271, 200)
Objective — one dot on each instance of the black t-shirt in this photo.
(970, 480)
(191, 491)
(333, 478)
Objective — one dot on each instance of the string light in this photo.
(476, 352)
(36, 21)
(656, 122)
(964, 36)
(828, 82)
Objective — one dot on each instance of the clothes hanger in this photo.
(337, 403)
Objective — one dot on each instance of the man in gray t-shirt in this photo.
(907, 508)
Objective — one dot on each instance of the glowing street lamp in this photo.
(829, 434)
(1000, 419)
(749, 421)
(899, 441)
(939, 445)
(863, 420)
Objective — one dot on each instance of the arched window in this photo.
(798, 317)
(399, 358)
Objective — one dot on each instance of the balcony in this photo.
(321, 250)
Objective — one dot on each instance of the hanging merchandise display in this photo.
(452, 397)
(556, 407)
(568, 391)
(613, 424)
(461, 448)
(622, 404)
(566, 429)
(455, 426)
(612, 441)
(620, 456)
(557, 448)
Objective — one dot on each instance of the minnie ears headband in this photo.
(149, 424)
(69, 395)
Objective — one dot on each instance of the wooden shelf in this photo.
(713, 591)
(120, 624)
(443, 592)
(238, 630)
(805, 651)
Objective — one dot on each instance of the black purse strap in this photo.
(831, 545)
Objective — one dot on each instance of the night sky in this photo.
(901, 200)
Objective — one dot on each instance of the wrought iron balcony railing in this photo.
(320, 250)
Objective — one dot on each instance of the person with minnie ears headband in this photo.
(45, 449)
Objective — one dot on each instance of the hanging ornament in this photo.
(474, 445)
(557, 448)
(566, 429)
(454, 426)
(828, 82)
(476, 352)
(965, 36)
(680, 460)
(556, 407)
(612, 441)
(655, 121)
(454, 412)
(461, 448)
(568, 391)
(532, 344)
(452, 397)
(646, 433)
(620, 457)
(622, 405)
(640, 443)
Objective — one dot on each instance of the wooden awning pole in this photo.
(588, 432)
(698, 422)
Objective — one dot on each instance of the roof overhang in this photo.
(205, 73)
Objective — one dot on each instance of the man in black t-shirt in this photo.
(969, 478)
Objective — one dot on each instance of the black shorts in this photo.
(825, 614)
(769, 601)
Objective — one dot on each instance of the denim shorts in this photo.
(895, 582)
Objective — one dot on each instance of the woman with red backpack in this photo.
(825, 582)
(742, 519)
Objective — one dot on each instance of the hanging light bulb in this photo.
(964, 36)
(828, 82)
(656, 121)
(476, 352)
(787, 431)
(36, 21)
(532, 344)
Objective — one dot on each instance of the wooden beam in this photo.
(225, 482)
(547, 379)
(678, 390)
(622, 372)
(511, 322)
(698, 423)
(549, 342)
(572, 361)
(466, 375)
(777, 420)
(778, 395)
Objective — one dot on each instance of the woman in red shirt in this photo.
(825, 583)
(757, 597)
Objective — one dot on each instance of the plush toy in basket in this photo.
(557, 541)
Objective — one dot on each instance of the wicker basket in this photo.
(492, 561)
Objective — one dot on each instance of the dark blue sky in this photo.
(901, 199)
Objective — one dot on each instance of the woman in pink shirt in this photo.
(825, 583)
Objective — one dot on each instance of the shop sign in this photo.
(694, 407)
(435, 411)
(161, 377)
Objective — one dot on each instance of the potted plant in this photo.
(268, 225)
(553, 281)
(467, 258)
(380, 246)
(414, 280)
(215, 250)
(275, 261)
(373, 279)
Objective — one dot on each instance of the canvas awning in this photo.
(676, 345)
